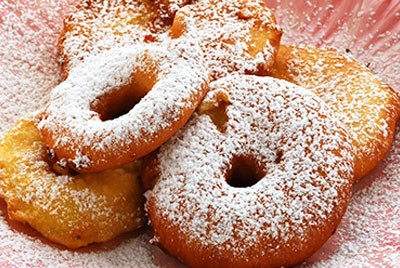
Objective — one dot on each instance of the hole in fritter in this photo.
(244, 172)
(122, 99)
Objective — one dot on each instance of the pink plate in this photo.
(369, 235)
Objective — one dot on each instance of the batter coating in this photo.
(122, 104)
(235, 35)
(367, 106)
(98, 25)
(71, 210)
(264, 187)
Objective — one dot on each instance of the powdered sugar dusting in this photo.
(267, 118)
(18, 250)
(224, 30)
(226, 48)
(180, 84)
(72, 210)
(367, 236)
(29, 69)
(101, 25)
(168, 8)
(28, 56)
(368, 107)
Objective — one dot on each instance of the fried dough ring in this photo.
(265, 185)
(156, 87)
(71, 210)
(368, 107)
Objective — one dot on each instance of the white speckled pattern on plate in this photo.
(369, 234)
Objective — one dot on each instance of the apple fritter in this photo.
(71, 209)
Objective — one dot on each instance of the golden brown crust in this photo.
(267, 190)
(367, 106)
(235, 35)
(71, 210)
(96, 25)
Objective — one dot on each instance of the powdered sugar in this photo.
(72, 210)
(98, 26)
(224, 30)
(181, 82)
(28, 55)
(368, 107)
(367, 236)
(292, 139)
(168, 8)
(228, 47)
(19, 250)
